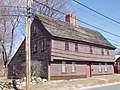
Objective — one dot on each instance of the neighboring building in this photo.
(117, 64)
(65, 50)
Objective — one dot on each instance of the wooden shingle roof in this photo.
(63, 29)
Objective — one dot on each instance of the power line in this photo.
(113, 40)
(99, 28)
(14, 11)
(64, 14)
(97, 12)
(116, 44)
(13, 6)
(80, 20)
(94, 15)
(13, 15)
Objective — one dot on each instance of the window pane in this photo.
(63, 66)
(34, 29)
(102, 51)
(115, 64)
(43, 47)
(100, 68)
(66, 45)
(76, 46)
(106, 69)
(107, 51)
(73, 67)
(13, 69)
(91, 50)
(35, 47)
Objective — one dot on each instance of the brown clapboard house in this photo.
(66, 50)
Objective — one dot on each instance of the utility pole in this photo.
(28, 53)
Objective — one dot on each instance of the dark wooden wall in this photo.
(83, 55)
(40, 55)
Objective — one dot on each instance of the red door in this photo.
(88, 70)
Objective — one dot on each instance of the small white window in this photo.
(34, 29)
(13, 69)
(63, 67)
(118, 64)
(115, 64)
(73, 67)
(106, 69)
(35, 47)
(43, 47)
(100, 67)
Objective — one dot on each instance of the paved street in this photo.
(109, 87)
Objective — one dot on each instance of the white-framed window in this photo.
(43, 46)
(100, 67)
(116, 64)
(73, 67)
(106, 69)
(13, 69)
(35, 47)
(35, 29)
(63, 67)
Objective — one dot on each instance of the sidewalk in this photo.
(77, 84)
(97, 86)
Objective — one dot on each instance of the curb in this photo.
(102, 85)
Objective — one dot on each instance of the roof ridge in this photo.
(58, 20)
(63, 29)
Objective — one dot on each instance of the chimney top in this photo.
(72, 19)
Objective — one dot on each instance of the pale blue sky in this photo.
(109, 8)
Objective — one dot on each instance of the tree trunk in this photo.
(6, 71)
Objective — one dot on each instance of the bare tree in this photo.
(11, 20)
(7, 36)
(46, 7)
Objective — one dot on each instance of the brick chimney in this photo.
(72, 19)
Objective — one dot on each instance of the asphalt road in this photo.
(109, 87)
